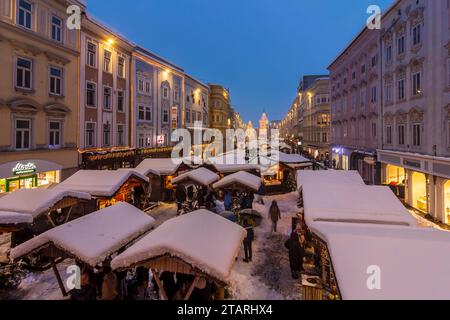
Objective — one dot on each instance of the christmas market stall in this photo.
(241, 185)
(106, 187)
(386, 262)
(279, 171)
(160, 173)
(195, 185)
(201, 245)
(28, 212)
(90, 240)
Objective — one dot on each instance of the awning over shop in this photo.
(410, 263)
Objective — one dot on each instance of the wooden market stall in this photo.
(160, 173)
(82, 240)
(201, 244)
(385, 262)
(106, 187)
(198, 177)
(28, 212)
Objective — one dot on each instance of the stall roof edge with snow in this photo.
(200, 243)
(200, 176)
(239, 180)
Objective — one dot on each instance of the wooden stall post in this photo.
(160, 286)
(220, 294)
(58, 278)
(191, 289)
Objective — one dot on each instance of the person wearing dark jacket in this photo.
(274, 215)
(295, 245)
(248, 240)
(180, 195)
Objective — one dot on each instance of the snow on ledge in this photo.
(15, 218)
(202, 239)
(202, 176)
(159, 167)
(94, 237)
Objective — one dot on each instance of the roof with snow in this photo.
(242, 178)
(94, 237)
(354, 203)
(202, 239)
(159, 167)
(99, 183)
(201, 176)
(23, 205)
(329, 176)
(414, 263)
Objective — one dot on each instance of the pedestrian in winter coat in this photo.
(248, 240)
(274, 215)
(260, 194)
(109, 285)
(180, 195)
(295, 245)
(228, 201)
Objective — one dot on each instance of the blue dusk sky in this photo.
(256, 48)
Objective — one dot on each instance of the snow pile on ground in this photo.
(99, 183)
(202, 239)
(202, 176)
(94, 237)
(242, 178)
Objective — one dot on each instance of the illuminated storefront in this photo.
(28, 175)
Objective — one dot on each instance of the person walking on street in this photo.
(248, 240)
(274, 215)
(228, 201)
(295, 245)
(180, 195)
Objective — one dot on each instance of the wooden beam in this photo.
(191, 289)
(160, 286)
(68, 214)
(50, 220)
(58, 278)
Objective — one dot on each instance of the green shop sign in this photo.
(24, 168)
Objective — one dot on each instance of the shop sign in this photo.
(24, 168)
(160, 139)
(412, 164)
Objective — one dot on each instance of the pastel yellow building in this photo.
(38, 93)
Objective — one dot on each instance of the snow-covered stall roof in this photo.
(30, 203)
(354, 203)
(284, 145)
(227, 168)
(289, 158)
(99, 183)
(159, 167)
(202, 239)
(94, 237)
(202, 176)
(243, 178)
(329, 176)
(414, 263)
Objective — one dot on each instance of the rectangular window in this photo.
(91, 94)
(148, 114)
(24, 73)
(107, 105)
(90, 134)
(417, 135)
(91, 59)
(107, 61)
(199, 116)
(401, 135)
(363, 69)
(176, 94)
(166, 116)
(120, 135)
(188, 116)
(363, 97)
(120, 101)
(401, 89)
(57, 25)
(389, 135)
(141, 113)
(324, 137)
(54, 140)
(389, 53)
(417, 36)
(389, 92)
(25, 14)
(166, 93)
(374, 130)
(373, 95)
(374, 60)
(354, 103)
(23, 134)
(401, 45)
(193, 116)
(121, 67)
(417, 88)
(56, 81)
(148, 87)
(141, 85)
(106, 134)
